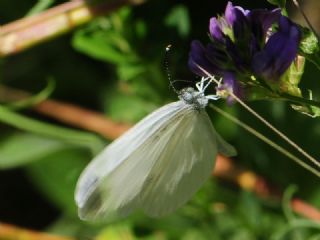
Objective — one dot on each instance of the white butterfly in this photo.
(157, 165)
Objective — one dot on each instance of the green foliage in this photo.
(309, 42)
(115, 65)
(279, 3)
(106, 46)
(21, 148)
(40, 6)
(132, 107)
(70, 136)
(56, 175)
(309, 47)
(178, 17)
(142, 80)
(34, 99)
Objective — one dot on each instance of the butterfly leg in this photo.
(213, 97)
(200, 85)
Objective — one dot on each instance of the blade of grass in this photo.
(33, 99)
(76, 137)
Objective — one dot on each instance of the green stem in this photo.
(266, 140)
(314, 59)
(75, 137)
(294, 225)
(33, 100)
(274, 129)
(299, 100)
(286, 202)
(40, 6)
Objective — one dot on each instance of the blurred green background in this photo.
(115, 65)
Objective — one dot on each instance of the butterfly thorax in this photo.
(193, 97)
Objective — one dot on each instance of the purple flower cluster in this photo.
(259, 44)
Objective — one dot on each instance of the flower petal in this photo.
(236, 18)
(197, 57)
(263, 19)
(217, 56)
(215, 29)
(229, 14)
(234, 52)
(230, 83)
(279, 52)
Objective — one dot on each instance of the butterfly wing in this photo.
(117, 174)
(223, 147)
(156, 166)
(183, 167)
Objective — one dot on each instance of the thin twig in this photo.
(82, 118)
(305, 209)
(296, 3)
(265, 121)
(266, 140)
(30, 31)
(70, 114)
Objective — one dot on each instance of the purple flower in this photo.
(230, 83)
(258, 44)
(279, 52)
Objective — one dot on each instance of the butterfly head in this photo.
(197, 97)
(193, 97)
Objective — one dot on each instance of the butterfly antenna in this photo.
(166, 62)
(297, 4)
(180, 80)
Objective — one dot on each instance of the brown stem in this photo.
(30, 31)
(225, 168)
(250, 181)
(69, 114)
(305, 209)
(82, 118)
(10, 232)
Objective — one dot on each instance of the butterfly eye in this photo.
(201, 102)
(187, 97)
(187, 94)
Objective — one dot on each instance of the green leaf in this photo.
(309, 47)
(250, 209)
(116, 232)
(279, 3)
(23, 148)
(192, 233)
(56, 176)
(309, 110)
(76, 137)
(141, 29)
(35, 99)
(290, 80)
(40, 6)
(106, 40)
(178, 17)
(309, 43)
(128, 108)
(99, 46)
(130, 71)
(286, 201)
(68, 225)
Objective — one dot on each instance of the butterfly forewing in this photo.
(94, 186)
(156, 166)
